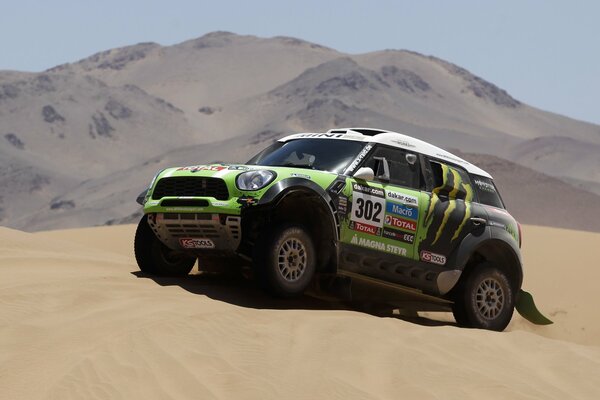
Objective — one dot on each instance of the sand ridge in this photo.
(76, 321)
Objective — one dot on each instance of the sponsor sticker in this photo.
(398, 235)
(486, 186)
(343, 205)
(368, 205)
(370, 190)
(403, 143)
(403, 198)
(498, 224)
(319, 135)
(300, 176)
(359, 158)
(400, 223)
(402, 210)
(433, 258)
(196, 168)
(377, 245)
(196, 243)
(364, 228)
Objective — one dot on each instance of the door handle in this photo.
(478, 221)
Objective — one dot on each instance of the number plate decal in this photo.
(368, 207)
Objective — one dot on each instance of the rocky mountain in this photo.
(79, 141)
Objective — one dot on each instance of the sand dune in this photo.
(76, 321)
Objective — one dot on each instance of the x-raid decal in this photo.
(359, 158)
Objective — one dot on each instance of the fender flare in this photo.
(472, 242)
(284, 187)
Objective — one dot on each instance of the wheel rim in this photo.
(291, 259)
(489, 298)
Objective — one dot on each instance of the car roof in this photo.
(393, 139)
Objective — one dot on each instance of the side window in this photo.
(402, 173)
(451, 181)
(487, 192)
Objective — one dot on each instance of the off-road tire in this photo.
(154, 258)
(485, 300)
(284, 260)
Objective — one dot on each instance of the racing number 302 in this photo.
(368, 210)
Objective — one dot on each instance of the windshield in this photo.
(320, 154)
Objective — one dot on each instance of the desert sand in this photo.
(78, 322)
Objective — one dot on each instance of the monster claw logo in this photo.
(449, 209)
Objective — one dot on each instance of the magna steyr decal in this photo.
(377, 245)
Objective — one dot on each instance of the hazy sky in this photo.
(545, 53)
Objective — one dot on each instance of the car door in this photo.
(450, 214)
(381, 218)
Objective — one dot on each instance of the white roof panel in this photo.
(394, 139)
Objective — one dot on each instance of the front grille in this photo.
(192, 187)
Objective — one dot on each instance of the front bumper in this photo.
(218, 234)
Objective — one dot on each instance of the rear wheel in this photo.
(485, 300)
(285, 260)
(153, 257)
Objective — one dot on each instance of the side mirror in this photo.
(365, 173)
(383, 169)
(141, 197)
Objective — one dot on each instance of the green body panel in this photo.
(228, 173)
(383, 217)
(420, 227)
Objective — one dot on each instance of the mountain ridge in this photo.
(77, 123)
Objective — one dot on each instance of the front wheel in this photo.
(154, 258)
(486, 300)
(285, 260)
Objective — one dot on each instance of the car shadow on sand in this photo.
(242, 292)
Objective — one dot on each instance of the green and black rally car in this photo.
(350, 205)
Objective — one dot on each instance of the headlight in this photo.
(254, 180)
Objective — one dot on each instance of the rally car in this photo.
(358, 204)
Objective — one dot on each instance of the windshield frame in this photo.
(341, 169)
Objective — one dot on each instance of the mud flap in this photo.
(526, 307)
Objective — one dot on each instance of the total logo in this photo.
(370, 229)
(196, 243)
(433, 258)
(401, 223)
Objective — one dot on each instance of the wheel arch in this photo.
(493, 245)
(303, 202)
